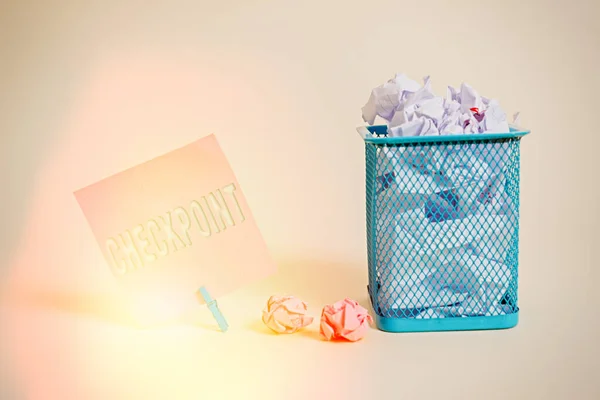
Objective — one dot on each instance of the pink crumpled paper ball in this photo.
(285, 314)
(345, 319)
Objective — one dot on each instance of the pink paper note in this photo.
(175, 223)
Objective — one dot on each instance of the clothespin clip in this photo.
(214, 308)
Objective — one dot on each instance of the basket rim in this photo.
(366, 132)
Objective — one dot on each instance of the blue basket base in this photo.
(446, 324)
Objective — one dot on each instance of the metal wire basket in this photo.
(443, 230)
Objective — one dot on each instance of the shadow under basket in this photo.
(442, 230)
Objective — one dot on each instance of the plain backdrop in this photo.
(89, 88)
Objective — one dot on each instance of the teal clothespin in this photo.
(214, 309)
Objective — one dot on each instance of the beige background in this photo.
(89, 88)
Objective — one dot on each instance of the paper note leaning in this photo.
(174, 224)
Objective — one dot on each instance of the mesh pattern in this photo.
(442, 223)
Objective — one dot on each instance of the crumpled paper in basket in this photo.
(410, 109)
(455, 266)
(447, 220)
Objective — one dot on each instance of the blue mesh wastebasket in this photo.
(442, 230)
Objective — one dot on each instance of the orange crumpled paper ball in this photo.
(285, 314)
(345, 319)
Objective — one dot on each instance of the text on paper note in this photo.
(165, 234)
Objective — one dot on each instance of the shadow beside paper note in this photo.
(316, 282)
(104, 308)
(99, 307)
